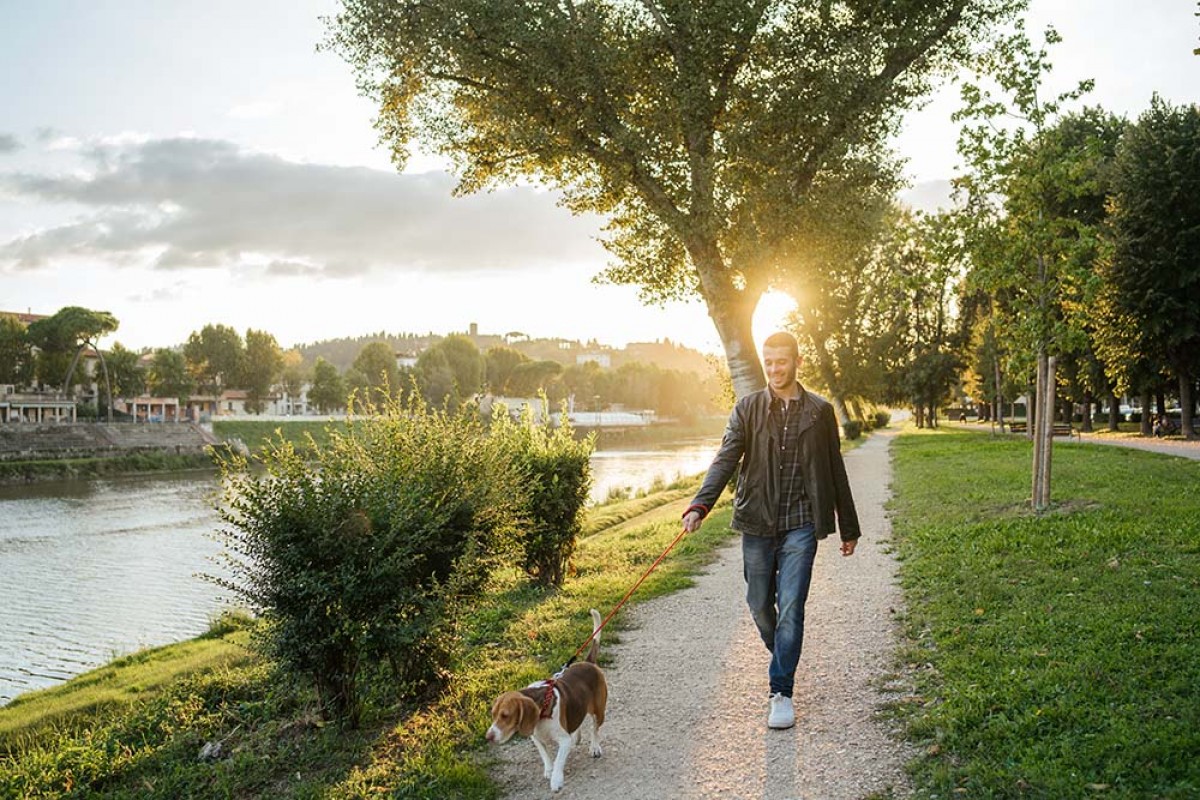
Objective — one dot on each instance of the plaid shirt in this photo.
(795, 510)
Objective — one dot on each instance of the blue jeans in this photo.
(778, 572)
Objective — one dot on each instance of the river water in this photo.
(90, 570)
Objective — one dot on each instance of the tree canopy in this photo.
(698, 129)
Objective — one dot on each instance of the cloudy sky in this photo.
(186, 162)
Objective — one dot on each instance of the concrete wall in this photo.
(20, 442)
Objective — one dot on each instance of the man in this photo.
(791, 482)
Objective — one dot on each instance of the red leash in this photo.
(628, 594)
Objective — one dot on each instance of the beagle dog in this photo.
(553, 711)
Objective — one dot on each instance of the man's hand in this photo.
(848, 547)
(691, 521)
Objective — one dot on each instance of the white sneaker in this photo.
(782, 714)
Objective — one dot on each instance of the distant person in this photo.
(792, 480)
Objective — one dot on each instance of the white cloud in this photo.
(203, 203)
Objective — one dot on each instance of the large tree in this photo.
(698, 129)
(262, 366)
(73, 329)
(1155, 267)
(215, 355)
(168, 375)
(328, 392)
(16, 353)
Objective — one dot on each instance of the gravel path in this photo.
(1171, 447)
(688, 694)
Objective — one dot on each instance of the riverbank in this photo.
(267, 741)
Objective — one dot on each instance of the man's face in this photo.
(780, 365)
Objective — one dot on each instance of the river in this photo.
(91, 570)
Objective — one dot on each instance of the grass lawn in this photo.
(1051, 657)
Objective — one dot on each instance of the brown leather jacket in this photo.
(748, 439)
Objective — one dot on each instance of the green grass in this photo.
(1054, 656)
(255, 434)
(73, 468)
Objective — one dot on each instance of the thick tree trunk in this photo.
(829, 375)
(1160, 402)
(733, 322)
(1185, 404)
(1114, 412)
(1146, 429)
(1087, 412)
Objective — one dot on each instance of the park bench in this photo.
(1057, 429)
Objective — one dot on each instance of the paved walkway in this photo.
(688, 701)
(1171, 447)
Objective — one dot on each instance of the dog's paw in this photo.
(556, 783)
(597, 751)
(547, 772)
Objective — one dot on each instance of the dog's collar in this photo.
(548, 700)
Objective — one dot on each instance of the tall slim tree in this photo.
(1015, 176)
(168, 375)
(261, 368)
(697, 129)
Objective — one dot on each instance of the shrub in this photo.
(853, 429)
(368, 554)
(557, 476)
(882, 418)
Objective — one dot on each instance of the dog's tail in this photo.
(594, 647)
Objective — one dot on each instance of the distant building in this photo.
(602, 359)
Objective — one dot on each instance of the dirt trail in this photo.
(688, 693)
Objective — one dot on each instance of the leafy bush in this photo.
(853, 429)
(882, 418)
(557, 476)
(368, 554)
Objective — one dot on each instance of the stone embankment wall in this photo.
(20, 442)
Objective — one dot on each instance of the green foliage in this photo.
(451, 371)
(853, 429)
(328, 391)
(127, 376)
(501, 361)
(272, 746)
(169, 377)
(882, 418)
(699, 130)
(556, 476)
(1052, 656)
(261, 369)
(369, 554)
(374, 375)
(16, 352)
(215, 356)
(1153, 277)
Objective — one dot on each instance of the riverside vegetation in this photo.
(397, 594)
(1053, 656)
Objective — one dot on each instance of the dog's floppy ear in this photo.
(527, 716)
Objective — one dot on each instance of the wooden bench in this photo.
(1057, 429)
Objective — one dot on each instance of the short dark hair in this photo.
(783, 339)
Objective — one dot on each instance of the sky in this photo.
(183, 163)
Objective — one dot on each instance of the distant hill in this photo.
(665, 353)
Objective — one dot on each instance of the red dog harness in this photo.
(548, 700)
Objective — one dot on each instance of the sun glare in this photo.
(771, 315)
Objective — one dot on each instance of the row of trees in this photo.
(454, 371)
(217, 358)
